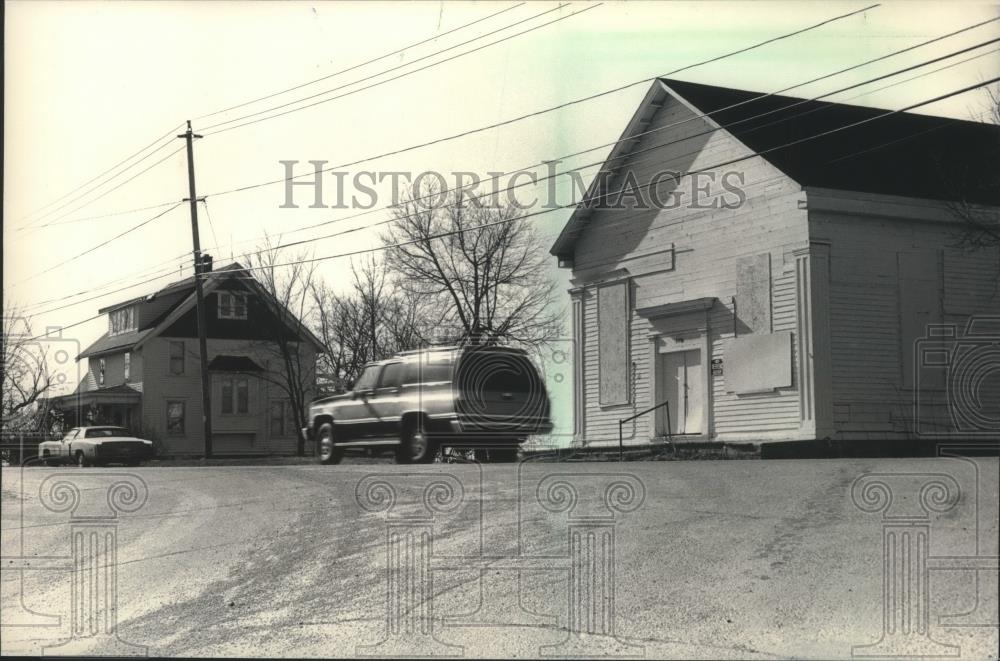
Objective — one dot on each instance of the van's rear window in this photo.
(429, 369)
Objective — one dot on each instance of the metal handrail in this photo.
(622, 421)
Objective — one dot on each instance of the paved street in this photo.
(710, 559)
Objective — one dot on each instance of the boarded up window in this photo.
(753, 292)
(919, 306)
(612, 339)
(759, 363)
(970, 281)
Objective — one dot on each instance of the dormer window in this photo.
(121, 321)
(232, 305)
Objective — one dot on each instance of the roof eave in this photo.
(564, 244)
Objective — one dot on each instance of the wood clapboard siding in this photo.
(776, 412)
(871, 399)
(160, 386)
(684, 253)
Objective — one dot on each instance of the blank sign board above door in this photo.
(758, 363)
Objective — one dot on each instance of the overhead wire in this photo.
(362, 64)
(678, 176)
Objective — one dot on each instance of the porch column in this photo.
(579, 410)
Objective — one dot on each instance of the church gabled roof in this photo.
(904, 154)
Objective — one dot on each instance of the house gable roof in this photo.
(902, 154)
(135, 339)
(214, 281)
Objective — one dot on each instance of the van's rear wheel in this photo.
(416, 446)
(327, 449)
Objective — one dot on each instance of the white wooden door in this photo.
(680, 383)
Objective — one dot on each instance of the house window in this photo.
(242, 396)
(235, 396)
(177, 357)
(280, 417)
(232, 305)
(175, 417)
(121, 321)
(128, 365)
(100, 372)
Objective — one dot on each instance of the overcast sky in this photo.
(89, 83)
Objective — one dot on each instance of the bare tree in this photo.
(980, 225)
(26, 379)
(289, 279)
(370, 321)
(477, 269)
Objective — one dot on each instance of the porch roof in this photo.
(121, 394)
(681, 307)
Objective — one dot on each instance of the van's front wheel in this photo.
(328, 451)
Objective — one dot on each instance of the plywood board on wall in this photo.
(753, 292)
(612, 330)
(758, 363)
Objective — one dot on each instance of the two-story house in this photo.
(780, 269)
(144, 372)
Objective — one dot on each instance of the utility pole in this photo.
(199, 265)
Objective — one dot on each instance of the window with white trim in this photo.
(175, 417)
(100, 372)
(128, 365)
(232, 305)
(177, 357)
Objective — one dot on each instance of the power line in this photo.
(603, 195)
(550, 109)
(159, 271)
(210, 225)
(536, 181)
(100, 245)
(169, 133)
(365, 63)
(162, 273)
(521, 117)
(208, 132)
(95, 178)
(631, 137)
(107, 215)
(676, 177)
(110, 190)
(35, 223)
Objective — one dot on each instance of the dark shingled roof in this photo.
(904, 154)
(106, 343)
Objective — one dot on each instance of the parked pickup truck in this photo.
(471, 397)
(86, 446)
